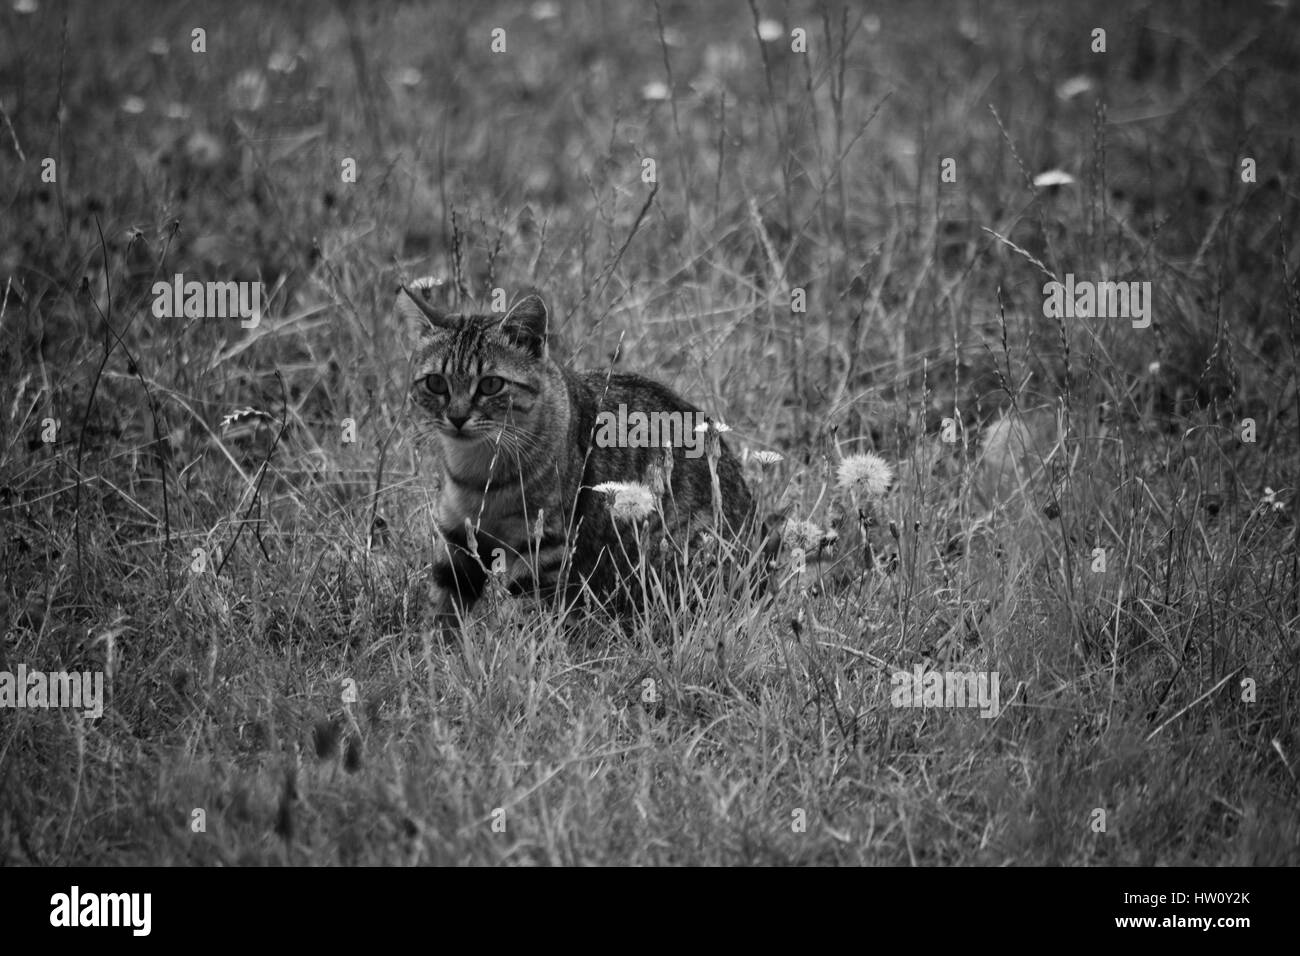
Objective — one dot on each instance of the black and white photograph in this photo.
(650, 433)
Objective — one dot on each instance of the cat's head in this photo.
(483, 380)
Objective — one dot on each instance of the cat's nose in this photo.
(458, 421)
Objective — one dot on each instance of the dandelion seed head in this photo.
(628, 501)
(802, 534)
(867, 473)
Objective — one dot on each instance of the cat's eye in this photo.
(490, 384)
(437, 384)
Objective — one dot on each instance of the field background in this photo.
(1122, 689)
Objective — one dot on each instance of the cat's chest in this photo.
(499, 508)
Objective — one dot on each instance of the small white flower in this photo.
(718, 427)
(1053, 177)
(1074, 86)
(1153, 368)
(769, 31)
(629, 501)
(867, 474)
(432, 283)
(1270, 498)
(240, 414)
(764, 457)
(133, 105)
(655, 90)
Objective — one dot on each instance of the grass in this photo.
(295, 703)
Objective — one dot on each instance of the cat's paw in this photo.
(443, 614)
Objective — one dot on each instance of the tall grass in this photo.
(298, 698)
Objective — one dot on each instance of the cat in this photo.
(524, 478)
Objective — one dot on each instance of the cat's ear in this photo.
(417, 305)
(526, 324)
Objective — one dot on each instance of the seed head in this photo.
(867, 474)
(628, 501)
(802, 534)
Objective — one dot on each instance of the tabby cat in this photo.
(521, 471)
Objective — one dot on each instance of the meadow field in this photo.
(830, 225)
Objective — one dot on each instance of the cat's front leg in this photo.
(537, 572)
(540, 563)
(458, 582)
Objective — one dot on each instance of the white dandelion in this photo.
(707, 425)
(765, 457)
(1074, 86)
(239, 414)
(867, 474)
(805, 535)
(628, 501)
(1053, 177)
(654, 90)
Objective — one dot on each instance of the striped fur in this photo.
(518, 461)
